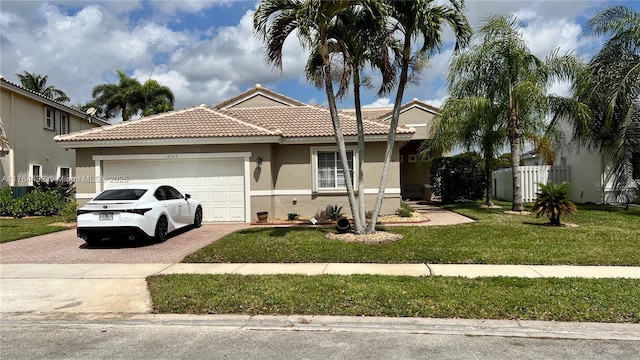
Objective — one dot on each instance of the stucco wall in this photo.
(31, 142)
(419, 119)
(285, 175)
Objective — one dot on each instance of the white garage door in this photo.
(217, 183)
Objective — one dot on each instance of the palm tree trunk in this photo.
(391, 139)
(514, 143)
(333, 110)
(359, 225)
(487, 171)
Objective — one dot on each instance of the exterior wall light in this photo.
(259, 161)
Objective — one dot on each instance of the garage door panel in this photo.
(217, 184)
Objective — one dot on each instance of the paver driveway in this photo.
(65, 248)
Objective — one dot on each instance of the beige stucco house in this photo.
(28, 123)
(259, 151)
(415, 175)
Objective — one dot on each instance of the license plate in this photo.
(106, 216)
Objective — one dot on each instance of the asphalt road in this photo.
(34, 339)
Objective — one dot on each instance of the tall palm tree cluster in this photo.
(130, 98)
(393, 38)
(499, 95)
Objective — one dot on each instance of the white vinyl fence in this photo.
(530, 176)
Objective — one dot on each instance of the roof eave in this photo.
(78, 144)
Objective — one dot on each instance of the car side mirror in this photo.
(187, 196)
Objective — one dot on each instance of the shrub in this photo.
(18, 208)
(333, 212)
(554, 200)
(368, 214)
(69, 211)
(6, 200)
(64, 188)
(405, 210)
(292, 216)
(41, 202)
(458, 178)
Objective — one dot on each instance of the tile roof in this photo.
(259, 90)
(195, 122)
(384, 113)
(305, 121)
(370, 113)
(208, 122)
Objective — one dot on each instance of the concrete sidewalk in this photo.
(141, 271)
(99, 292)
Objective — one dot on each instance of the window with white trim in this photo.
(49, 118)
(35, 172)
(328, 174)
(64, 173)
(412, 158)
(65, 124)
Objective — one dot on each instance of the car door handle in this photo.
(180, 205)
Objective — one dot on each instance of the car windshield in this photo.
(121, 194)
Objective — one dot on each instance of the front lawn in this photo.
(604, 236)
(597, 300)
(16, 229)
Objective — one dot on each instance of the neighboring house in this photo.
(259, 151)
(588, 171)
(415, 175)
(592, 178)
(28, 123)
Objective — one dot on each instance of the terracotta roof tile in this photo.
(305, 121)
(370, 113)
(259, 90)
(195, 122)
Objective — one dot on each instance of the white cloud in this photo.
(82, 44)
(380, 102)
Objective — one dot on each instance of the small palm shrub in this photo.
(333, 212)
(405, 210)
(554, 200)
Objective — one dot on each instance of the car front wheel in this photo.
(162, 228)
(197, 220)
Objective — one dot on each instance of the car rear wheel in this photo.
(162, 228)
(197, 220)
(91, 240)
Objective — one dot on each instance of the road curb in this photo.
(466, 327)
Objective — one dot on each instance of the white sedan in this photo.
(137, 210)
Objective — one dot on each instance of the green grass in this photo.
(598, 300)
(604, 236)
(16, 229)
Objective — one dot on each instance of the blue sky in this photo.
(206, 52)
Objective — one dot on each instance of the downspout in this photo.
(12, 161)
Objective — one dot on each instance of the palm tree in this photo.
(156, 98)
(500, 68)
(424, 20)
(38, 83)
(313, 21)
(553, 201)
(613, 92)
(469, 122)
(359, 37)
(129, 97)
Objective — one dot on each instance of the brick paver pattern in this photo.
(65, 247)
